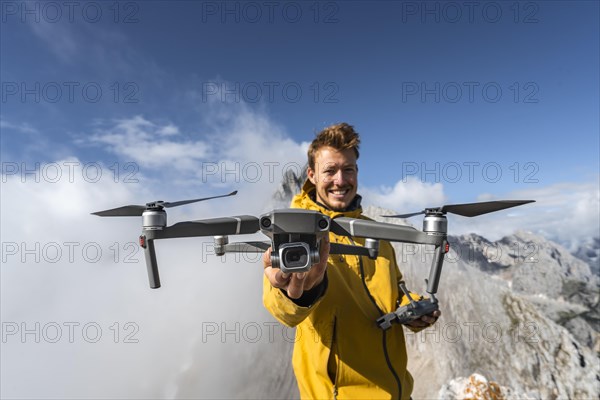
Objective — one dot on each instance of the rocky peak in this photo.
(290, 185)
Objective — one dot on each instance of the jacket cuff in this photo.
(310, 297)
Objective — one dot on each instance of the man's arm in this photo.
(290, 298)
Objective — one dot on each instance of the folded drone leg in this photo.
(436, 267)
(151, 263)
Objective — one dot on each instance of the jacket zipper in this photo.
(337, 367)
(385, 351)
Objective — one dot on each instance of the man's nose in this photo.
(339, 178)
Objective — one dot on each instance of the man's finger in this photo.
(324, 250)
(296, 286)
(267, 258)
(281, 277)
(277, 278)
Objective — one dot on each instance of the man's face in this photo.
(335, 176)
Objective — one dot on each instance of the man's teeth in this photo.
(339, 191)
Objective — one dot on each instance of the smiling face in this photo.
(335, 176)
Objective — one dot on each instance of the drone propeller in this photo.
(137, 211)
(468, 209)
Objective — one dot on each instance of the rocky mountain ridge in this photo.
(563, 286)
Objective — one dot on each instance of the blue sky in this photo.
(369, 64)
(106, 103)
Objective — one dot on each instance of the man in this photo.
(339, 350)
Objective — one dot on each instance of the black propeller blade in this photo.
(137, 210)
(475, 209)
(125, 211)
(404, 215)
(469, 209)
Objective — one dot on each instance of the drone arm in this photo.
(240, 247)
(339, 248)
(151, 263)
(379, 230)
(238, 225)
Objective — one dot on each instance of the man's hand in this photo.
(296, 283)
(426, 320)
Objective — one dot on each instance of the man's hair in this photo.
(340, 136)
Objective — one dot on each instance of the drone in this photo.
(295, 235)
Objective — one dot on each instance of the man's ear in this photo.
(311, 175)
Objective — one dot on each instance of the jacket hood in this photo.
(307, 199)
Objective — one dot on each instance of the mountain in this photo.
(561, 285)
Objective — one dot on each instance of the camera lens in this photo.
(295, 257)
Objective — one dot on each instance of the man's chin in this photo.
(338, 205)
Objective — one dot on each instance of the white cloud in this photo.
(240, 149)
(151, 145)
(409, 195)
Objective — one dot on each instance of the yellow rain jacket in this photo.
(339, 350)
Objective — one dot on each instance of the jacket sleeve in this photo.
(288, 311)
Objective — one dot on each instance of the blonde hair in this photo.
(340, 136)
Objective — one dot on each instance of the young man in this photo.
(339, 350)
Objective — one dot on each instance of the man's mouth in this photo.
(339, 193)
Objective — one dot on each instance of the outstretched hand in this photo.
(296, 283)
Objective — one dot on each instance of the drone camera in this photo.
(295, 235)
(294, 257)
